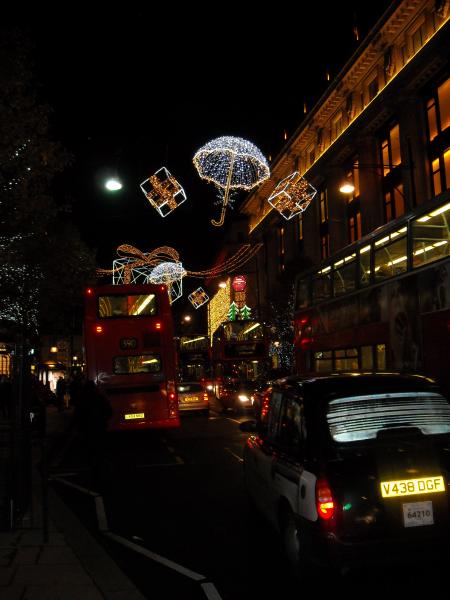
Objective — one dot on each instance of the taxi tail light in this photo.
(324, 499)
(173, 399)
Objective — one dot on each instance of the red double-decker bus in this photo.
(130, 354)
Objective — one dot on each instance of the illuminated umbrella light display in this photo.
(163, 191)
(231, 163)
(292, 196)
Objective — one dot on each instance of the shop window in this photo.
(323, 361)
(366, 358)
(381, 357)
(346, 360)
(431, 236)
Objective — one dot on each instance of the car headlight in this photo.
(243, 398)
(209, 387)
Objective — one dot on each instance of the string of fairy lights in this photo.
(132, 258)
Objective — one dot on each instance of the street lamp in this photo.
(113, 184)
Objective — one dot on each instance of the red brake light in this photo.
(89, 291)
(324, 500)
(158, 325)
(98, 329)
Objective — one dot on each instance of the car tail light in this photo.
(324, 499)
(98, 329)
(205, 396)
(158, 325)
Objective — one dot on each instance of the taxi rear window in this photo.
(190, 387)
(359, 418)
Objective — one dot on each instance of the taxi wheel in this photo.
(292, 545)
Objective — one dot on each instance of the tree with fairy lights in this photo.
(43, 261)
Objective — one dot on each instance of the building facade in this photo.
(370, 267)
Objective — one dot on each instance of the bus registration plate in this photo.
(134, 416)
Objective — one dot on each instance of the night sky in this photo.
(133, 89)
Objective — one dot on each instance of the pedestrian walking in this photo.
(60, 392)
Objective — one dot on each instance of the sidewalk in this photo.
(71, 565)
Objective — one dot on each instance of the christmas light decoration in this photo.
(163, 191)
(292, 196)
(239, 283)
(245, 313)
(231, 163)
(198, 297)
(132, 259)
(170, 274)
(218, 309)
(233, 312)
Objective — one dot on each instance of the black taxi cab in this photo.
(353, 469)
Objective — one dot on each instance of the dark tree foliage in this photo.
(43, 262)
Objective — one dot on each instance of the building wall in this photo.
(386, 82)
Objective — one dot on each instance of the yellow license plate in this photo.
(190, 399)
(135, 416)
(409, 487)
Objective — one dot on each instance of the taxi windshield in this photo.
(359, 418)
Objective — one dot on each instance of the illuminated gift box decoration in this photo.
(170, 274)
(198, 297)
(292, 196)
(163, 191)
(124, 272)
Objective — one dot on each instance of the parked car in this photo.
(353, 469)
(237, 396)
(192, 397)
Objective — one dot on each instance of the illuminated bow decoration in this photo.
(137, 258)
